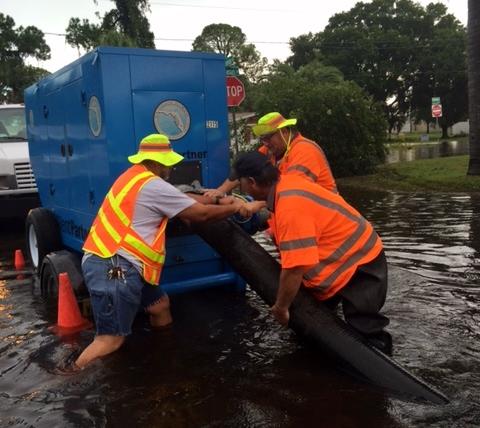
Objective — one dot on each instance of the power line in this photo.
(456, 71)
(191, 40)
(157, 3)
(333, 45)
(223, 7)
(172, 39)
(54, 34)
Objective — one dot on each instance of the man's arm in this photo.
(246, 209)
(198, 212)
(208, 199)
(290, 282)
(226, 187)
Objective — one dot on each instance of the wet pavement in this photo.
(226, 363)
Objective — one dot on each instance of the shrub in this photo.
(335, 113)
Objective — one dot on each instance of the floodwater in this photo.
(427, 150)
(226, 363)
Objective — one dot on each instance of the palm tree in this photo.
(474, 85)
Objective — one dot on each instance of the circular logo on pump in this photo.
(172, 119)
(94, 116)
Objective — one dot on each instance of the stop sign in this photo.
(235, 91)
(436, 110)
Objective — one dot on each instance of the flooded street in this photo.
(226, 363)
(426, 150)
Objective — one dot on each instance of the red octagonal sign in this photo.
(235, 91)
(436, 110)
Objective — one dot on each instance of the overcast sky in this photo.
(269, 24)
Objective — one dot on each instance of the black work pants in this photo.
(363, 297)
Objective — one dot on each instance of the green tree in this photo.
(126, 25)
(82, 34)
(474, 85)
(375, 44)
(231, 42)
(401, 53)
(337, 114)
(305, 48)
(440, 68)
(16, 45)
(114, 38)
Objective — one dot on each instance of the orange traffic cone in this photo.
(69, 317)
(19, 260)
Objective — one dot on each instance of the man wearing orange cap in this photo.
(324, 244)
(125, 248)
(291, 152)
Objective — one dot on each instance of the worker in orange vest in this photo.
(125, 248)
(324, 244)
(287, 148)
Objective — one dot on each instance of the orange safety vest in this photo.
(112, 228)
(318, 229)
(307, 159)
(304, 158)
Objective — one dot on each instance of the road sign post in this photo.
(235, 134)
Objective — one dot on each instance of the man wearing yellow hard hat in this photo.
(125, 248)
(289, 150)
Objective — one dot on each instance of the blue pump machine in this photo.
(85, 119)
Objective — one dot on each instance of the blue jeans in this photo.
(115, 302)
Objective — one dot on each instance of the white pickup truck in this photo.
(18, 190)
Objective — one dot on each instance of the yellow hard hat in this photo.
(270, 123)
(156, 147)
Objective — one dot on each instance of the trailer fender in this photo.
(58, 262)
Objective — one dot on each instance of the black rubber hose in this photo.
(309, 317)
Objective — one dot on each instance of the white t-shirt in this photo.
(156, 200)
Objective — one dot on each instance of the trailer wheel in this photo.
(48, 280)
(57, 262)
(42, 235)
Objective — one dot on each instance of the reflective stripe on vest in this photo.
(325, 178)
(296, 244)
(362, 226)
(159, 242)
(111, 229)
(116, 201)
(304, 170)
(330, 280)
(111, 208)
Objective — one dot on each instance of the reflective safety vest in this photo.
(318, 229)
(307, 159)
(112, 228)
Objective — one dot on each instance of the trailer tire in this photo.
(42, 235)
(57, 262)
(48, 280)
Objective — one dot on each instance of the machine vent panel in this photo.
(24, 176)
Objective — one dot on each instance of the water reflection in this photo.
(414, 151)
(437, 311)
(435, 235)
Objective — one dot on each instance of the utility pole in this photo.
(473, 50)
